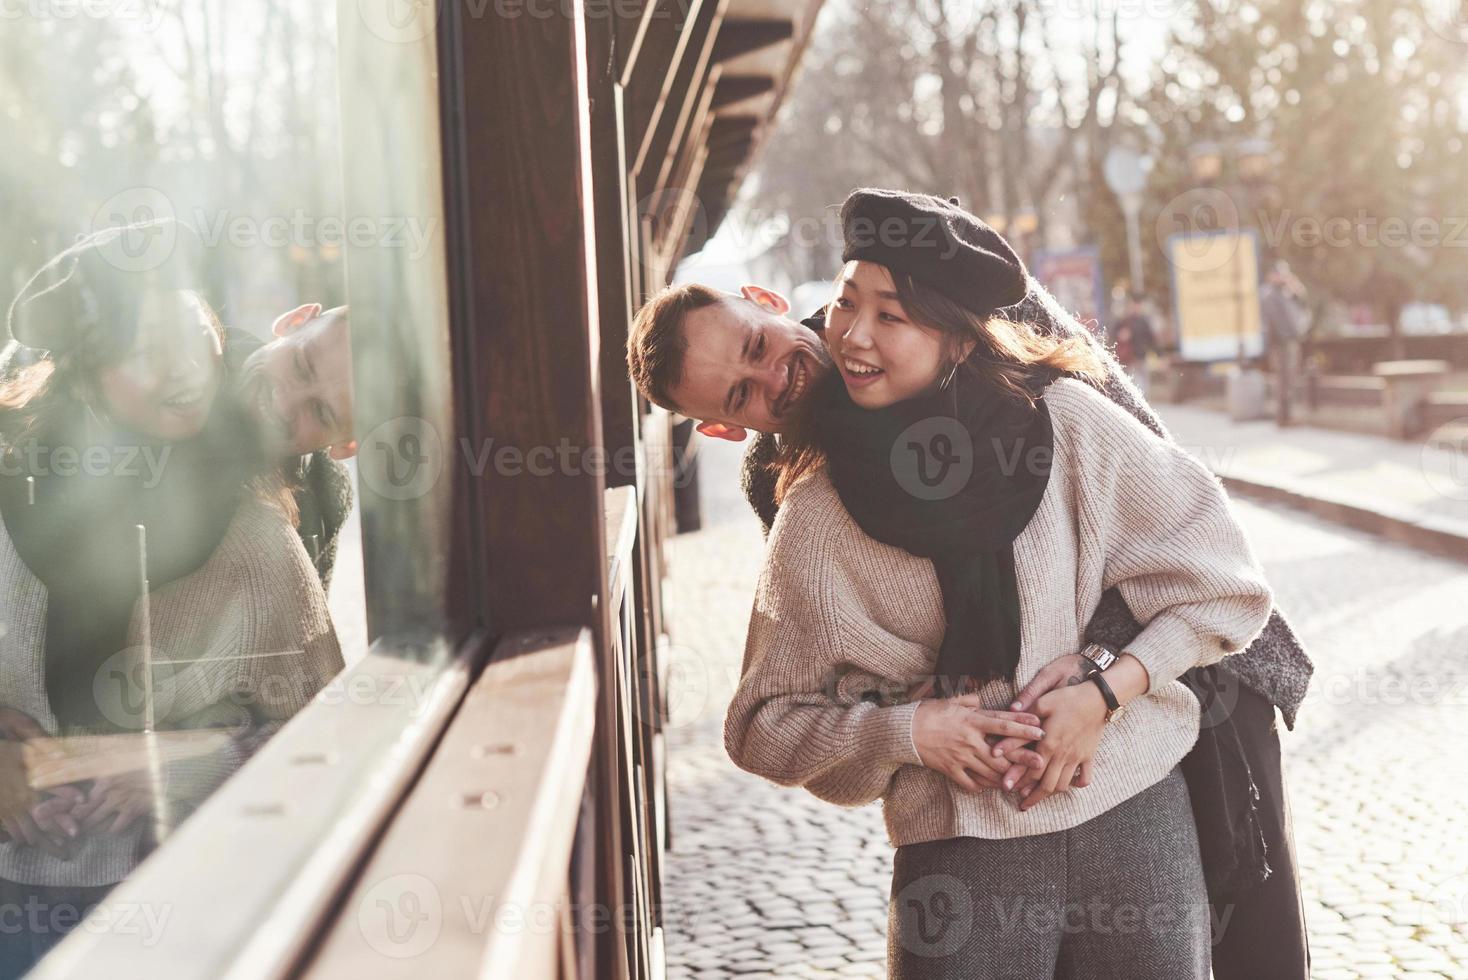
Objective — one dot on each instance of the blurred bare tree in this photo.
(1014, 104)
(1002, 104)
(1364, 105)
(228, 110)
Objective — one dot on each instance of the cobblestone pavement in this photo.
(770, 881)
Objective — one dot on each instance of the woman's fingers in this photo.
(104, 810)
(1028, 781)
(53, 816)
(978, 759)
(125, 819)
(961, 776)
(1006, 747)
(37, 838)
(1022, 759)
(1083, 775)
(1007, 724)
(1057, 769)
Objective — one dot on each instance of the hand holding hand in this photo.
(951, 736)
(114, 803)
(1074, 718)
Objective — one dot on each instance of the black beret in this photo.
(98, 283)
(936, 242)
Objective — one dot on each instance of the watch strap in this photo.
(1107, 694)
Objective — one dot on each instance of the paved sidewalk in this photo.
(1411, 491)
(765, 881)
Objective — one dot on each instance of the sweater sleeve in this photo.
(274, 643)
(1168, 538)
(798, 716)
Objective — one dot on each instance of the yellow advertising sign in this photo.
(1215, 290)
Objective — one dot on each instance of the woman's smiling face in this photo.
(164, 386)
(883, 356)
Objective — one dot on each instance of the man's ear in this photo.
(767, 298)
(722, 430)
(289, 322)
(344, 451)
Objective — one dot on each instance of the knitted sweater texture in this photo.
(241, 644)
(838, 615)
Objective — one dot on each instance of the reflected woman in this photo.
(124, 423)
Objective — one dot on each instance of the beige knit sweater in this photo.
(837, 614)
(244, 642)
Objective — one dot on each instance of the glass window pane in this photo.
(204, 317)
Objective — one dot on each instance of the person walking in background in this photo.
(1282, 308)
(1134, 341)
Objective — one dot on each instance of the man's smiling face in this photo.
(746, 365)
(300, 384)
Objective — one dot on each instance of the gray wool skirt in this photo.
(1120, 896)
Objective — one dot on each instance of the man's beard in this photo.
(252, 395)
(817, 390)
(244, 427)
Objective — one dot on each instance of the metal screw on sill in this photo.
(487, 800)
(265, 810)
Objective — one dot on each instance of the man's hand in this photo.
(114, 803)
(951, 736)
(1064, 671)
(1074, 718)
(19, 726)
(47, 825)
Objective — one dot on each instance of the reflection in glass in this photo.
(176, 410)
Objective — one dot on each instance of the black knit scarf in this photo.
(953, 476)
(75, 529)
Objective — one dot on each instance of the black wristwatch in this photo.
(1114, 708)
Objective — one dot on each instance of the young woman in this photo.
(952, 510)
(123, 421)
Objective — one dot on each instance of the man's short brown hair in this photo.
(657, 343)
